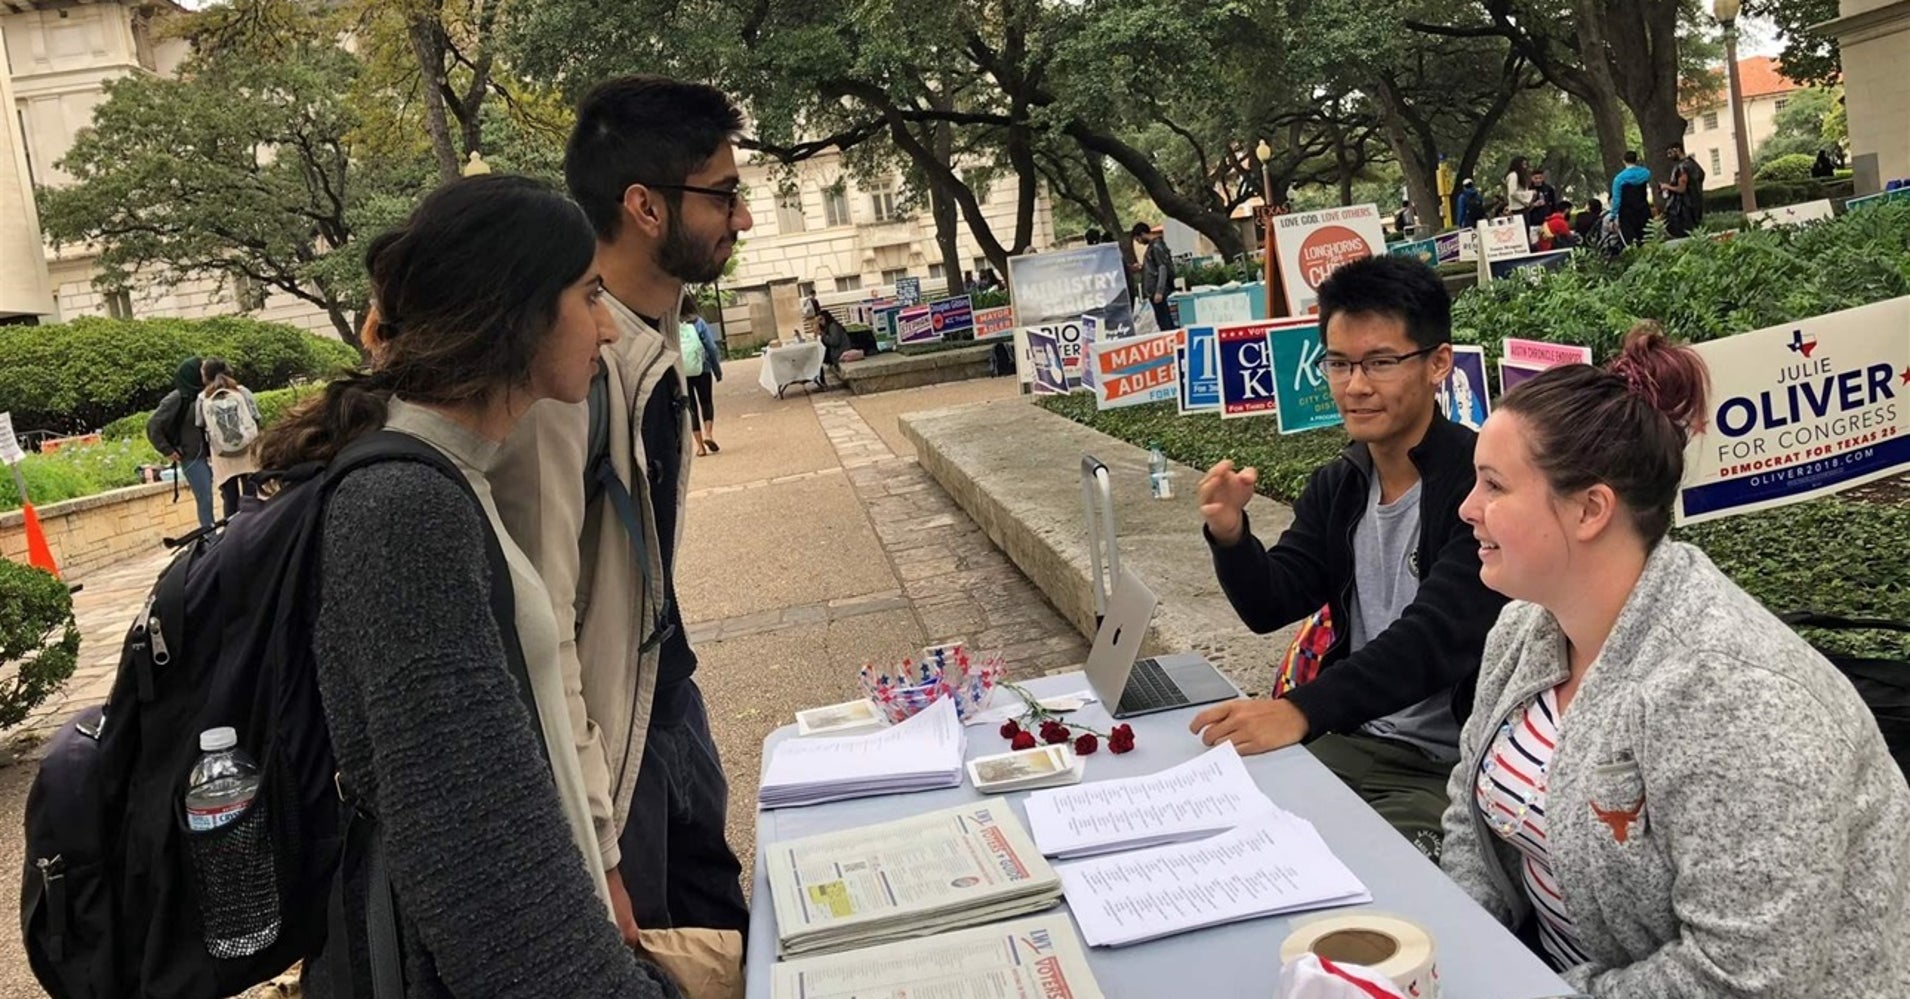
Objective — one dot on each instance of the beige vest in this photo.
(536, 628)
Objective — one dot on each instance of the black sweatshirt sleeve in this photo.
(419, 695)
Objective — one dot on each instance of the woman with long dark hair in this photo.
(1675, 792)
(1518, 187)
(488, 300)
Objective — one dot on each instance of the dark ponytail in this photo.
(464, 292)
(1625, 425)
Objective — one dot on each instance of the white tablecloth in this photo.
(1478, 958)
(785, 366)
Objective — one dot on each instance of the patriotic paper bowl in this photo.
(912, 686)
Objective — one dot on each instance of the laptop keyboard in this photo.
(1148, 687)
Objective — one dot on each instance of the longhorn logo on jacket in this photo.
(1619, 819)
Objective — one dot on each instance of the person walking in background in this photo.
(228, 415)
(490, 300)
(702, 365)
(1470, 206)
(1518, 186)
(176, 435)
(1403, 220)
(1545, 201)
(1631, 199)
(1684, 196)
(1659, 778)
(1822, 168)
(1157, 273)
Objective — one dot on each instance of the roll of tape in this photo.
(1397, 948)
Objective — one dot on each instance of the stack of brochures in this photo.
(915, 877)
(920, 754)
(1208, 794)
(1039, 956)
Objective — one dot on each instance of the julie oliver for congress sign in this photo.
(1800, 411)
(1313, 245)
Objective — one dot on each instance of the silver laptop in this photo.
(1163, 683)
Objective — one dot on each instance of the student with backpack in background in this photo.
(229, 415)
(176, 435)
(702, 363)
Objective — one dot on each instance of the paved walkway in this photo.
(814, 544)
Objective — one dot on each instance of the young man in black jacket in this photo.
(1376, 538)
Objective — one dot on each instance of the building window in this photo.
(789, 213)
(884, 204)
(835, 207)
(119, 304)
(852, 282)
(1717, 165)
(1710, 121)
(890, 277)
(936, 272)
(1781, 101)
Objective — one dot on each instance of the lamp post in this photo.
(1269, 272)
(1726, 11)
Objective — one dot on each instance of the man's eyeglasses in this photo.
(732, 196)
(1384, 368)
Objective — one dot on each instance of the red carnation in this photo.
(1121, 740)
(1054, 733)
(1023, 740)
(1009, 729)
(1086, 744)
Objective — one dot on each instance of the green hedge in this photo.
(39, 640)
(1791, 169)
(1776, 193)
(79, 376)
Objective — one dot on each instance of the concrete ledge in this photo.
(1016, 471)
(891, 371)
(112, 497)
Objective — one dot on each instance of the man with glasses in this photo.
(1376, 554)
(595, 492)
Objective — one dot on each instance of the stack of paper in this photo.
(920, 754)
(1027, 769)
(1040, 956)
(1273, 865)
(915, 877)
(1208, 794)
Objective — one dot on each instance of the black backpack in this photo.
(1884, 684)
(118, 900)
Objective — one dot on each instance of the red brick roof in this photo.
(1760, 78)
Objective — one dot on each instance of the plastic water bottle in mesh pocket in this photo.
(234, 861)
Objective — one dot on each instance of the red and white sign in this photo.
(990, 322)
(1312, 245)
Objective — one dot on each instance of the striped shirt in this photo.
(1510, 794)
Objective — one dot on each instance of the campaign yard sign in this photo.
(1501, 239)
(1069, 346)
(1800, 411)
(915, 325)
(1064, 285)
(1530, 266)
(1306, 401)
(1462, 396)
(994, 322)
(1312, 245)
(1520, 360)
(1246, 370)
(908, 290)
(1426, 251)
(1134, 370)
(951, 315)
(1198, 361)
(1046, 361)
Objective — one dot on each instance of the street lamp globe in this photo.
(1726, 11)
(1264, 151)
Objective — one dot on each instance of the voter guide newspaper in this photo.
(912, 877)
(1035, 958)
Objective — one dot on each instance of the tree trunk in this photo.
(1208, 221)
(1345, 170)
(342, 325)
(1417, 154)
(429, 48)
(947, 236)
(1021, 156)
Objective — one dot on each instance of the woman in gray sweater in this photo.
(489, 302)
(1671, 788)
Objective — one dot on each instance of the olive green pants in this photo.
(1403, 786)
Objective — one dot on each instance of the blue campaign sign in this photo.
(1199, 352)
(1246, 371)
(1306, 402)
(952, 315)
(1534, 265)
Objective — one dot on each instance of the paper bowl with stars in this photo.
(944, 671)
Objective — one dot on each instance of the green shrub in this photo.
(1789, 169)
(39, 641)
(989, 299)
(50, 479)
(79, 376)
(1776, 193)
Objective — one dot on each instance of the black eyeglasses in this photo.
(1378, 369)
(733, 196)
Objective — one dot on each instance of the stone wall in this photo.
(94, 532)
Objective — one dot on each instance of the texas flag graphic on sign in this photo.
(1803, 343)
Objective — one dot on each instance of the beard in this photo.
(682, 257)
